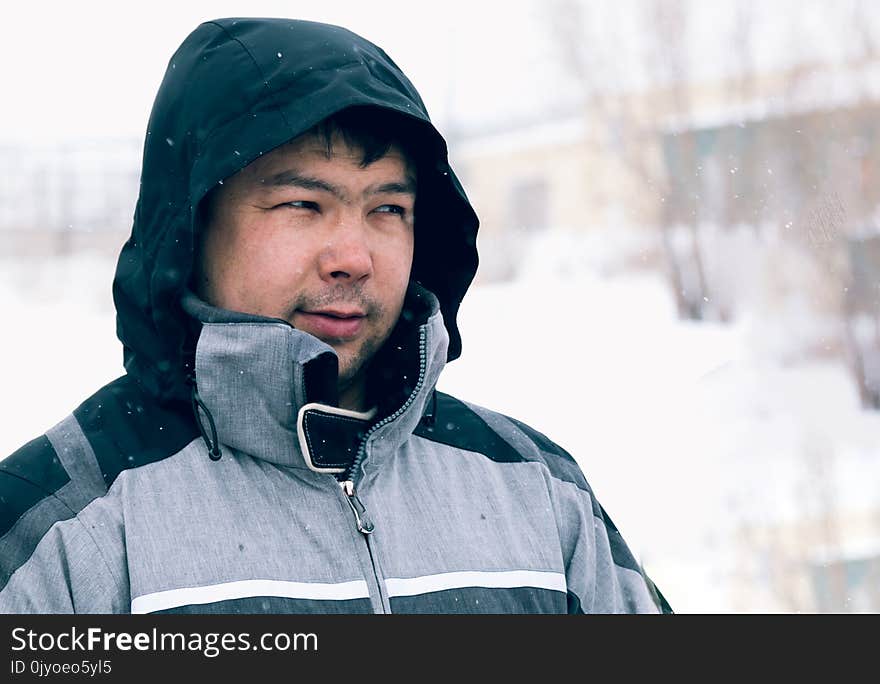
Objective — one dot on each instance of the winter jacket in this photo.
(219, 475)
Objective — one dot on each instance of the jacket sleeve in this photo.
(65, 573)
(50, 558)
(602, 574)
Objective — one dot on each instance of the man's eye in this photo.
(391, 209)
(302, 204)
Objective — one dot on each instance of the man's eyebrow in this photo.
(291, 177)
(407, 187)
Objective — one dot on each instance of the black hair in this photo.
(368, 129)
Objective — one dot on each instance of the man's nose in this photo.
(346, 255)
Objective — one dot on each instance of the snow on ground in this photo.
(684, 431)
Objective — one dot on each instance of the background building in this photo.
(63, 199)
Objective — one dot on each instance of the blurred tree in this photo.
(630, 103)
(786, 161)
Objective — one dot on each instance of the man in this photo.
(286, 302)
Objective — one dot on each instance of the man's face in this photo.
(318, 241)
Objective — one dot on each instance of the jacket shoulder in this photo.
(126, 427)
(504, 439)
(28, 476)
(52, 478)
(118, 427)
(498, 437)
(32, 485)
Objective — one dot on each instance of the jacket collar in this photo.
(271, 389)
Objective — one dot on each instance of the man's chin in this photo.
(353, 363)
(349, 375)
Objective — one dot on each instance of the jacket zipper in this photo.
(364, 524)
(362, 519)
(348, 482)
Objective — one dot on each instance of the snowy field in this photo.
(685, 431)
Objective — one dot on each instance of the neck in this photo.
(352, 395)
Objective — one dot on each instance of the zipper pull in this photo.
(364, 524)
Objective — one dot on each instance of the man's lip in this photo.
(331, 324)
(335, 313)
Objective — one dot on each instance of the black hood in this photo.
(235, 89)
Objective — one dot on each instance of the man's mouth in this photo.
(331, 324)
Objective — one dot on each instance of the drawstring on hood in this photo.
(212, 442)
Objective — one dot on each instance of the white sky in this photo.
(92, 68)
